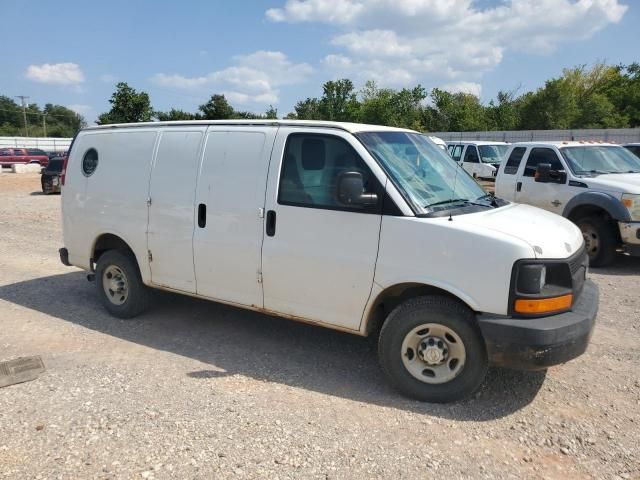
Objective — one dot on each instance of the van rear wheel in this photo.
(431, 350)
(120, 285)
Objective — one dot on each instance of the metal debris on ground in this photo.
(23, 369)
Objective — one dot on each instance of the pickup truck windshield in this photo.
(492, 153)
(597, 159)
(426, 174)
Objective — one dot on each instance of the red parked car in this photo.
(9, 156)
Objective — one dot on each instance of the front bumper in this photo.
(537, 343)
(630, 235)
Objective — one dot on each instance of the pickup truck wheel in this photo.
(431, 350)
(120, 286)
(599, 239)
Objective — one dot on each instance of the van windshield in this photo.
(492, 153)
(598, 159)
(427, 176)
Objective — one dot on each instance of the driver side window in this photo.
(311, 167)
(542, 155)
(471, 155)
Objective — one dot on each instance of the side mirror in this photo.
(543, 173)
(351, 190)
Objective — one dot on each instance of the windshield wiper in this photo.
(491, 197)
(454, 200)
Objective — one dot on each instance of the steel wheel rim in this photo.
(433, 353)
(115, 285)
(591, 239)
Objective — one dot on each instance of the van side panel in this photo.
(171, 212)
(113, 199)
(231, 184)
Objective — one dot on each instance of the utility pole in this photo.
(44, 123)
(24, 113)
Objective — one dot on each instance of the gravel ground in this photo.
(195, 389)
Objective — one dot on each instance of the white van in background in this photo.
(480, 159)
(366, 229)
(439, 142)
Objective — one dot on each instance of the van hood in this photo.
(550, 235)
(617, 182)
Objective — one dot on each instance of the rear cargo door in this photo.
(230, 200)
(171, 207)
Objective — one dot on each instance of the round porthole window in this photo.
(90, 162)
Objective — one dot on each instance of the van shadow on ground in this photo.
(263, 347)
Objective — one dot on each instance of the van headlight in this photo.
(632, 202)
(541, 288)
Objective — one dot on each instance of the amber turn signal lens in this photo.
(544, 305)
(627, 202)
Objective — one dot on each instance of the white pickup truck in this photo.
(596, 185)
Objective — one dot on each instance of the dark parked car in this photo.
(50, 178)
(56, 154)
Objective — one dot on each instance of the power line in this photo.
(24, 113)
(71, 114)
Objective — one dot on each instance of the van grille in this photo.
(578, 264)
(579, 259)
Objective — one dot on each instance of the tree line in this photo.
(600, 96)
(49, 121)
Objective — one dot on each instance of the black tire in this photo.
(452, 315)
(138, 294)
(600, 238)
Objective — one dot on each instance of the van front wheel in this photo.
(120, 286)
(431, 350)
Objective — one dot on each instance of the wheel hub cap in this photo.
(433, 353)
(432, 350)
(115, 284)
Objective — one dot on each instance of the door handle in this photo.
(518, 186)
(202, 215)
(271, 223)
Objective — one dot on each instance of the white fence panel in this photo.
(616, 135)
(48, 144)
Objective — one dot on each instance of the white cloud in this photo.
(463, 87)
(56, 73)
(253, 79)
(439, 42)
(333, 11)
(80, 109)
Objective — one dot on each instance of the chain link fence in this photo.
(615, 135)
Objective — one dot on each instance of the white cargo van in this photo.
(365, 229)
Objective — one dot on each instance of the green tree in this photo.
(458, 112)
(59, 120)
(339, 102)
(308, 109)
(127, 106)
(271, 113)
(217, 108)
(174, 114)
